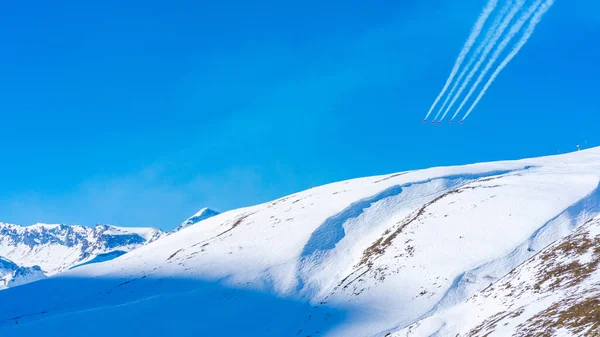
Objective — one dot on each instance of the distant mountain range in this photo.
(28, 253)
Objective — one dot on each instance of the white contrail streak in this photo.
(514, 30)
(530, 29)
(488, 37)
(487, 11)
(497, 35)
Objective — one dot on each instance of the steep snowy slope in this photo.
(56, 248)
(556, 292)
(365, 257)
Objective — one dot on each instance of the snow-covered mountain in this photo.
(556, 292)
(40, 250)
(203, 214)
(7, 266)
(56, 248)
(12, 275)
(467, 250)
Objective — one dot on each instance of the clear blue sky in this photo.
(139, 113)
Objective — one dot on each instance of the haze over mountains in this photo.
(491, 249)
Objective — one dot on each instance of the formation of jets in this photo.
(450, 122)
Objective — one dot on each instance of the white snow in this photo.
(56, 248)
(201, 215)
(145, 232)
(362, 257)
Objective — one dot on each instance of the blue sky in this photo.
(139, 113)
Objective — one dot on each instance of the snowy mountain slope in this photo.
(56, 248)
(61, 247)
(12, 275)
(555, 292)
(364, 257)
(23, 275)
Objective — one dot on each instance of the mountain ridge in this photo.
(37, 245)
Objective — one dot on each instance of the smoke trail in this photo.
(497, 35)
(513, 31)
(530, 29)
(487, 11)
(488, 37)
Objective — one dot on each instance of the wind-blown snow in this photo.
(364, 257)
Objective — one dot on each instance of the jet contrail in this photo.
(488, 37)
(487, 11)
(511, 34)
(497, 35)
(530, 29)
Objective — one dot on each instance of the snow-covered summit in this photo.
(202, 214)
(391, 255)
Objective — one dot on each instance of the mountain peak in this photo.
(202, 214)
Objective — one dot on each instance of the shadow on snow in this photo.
(155, 306)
